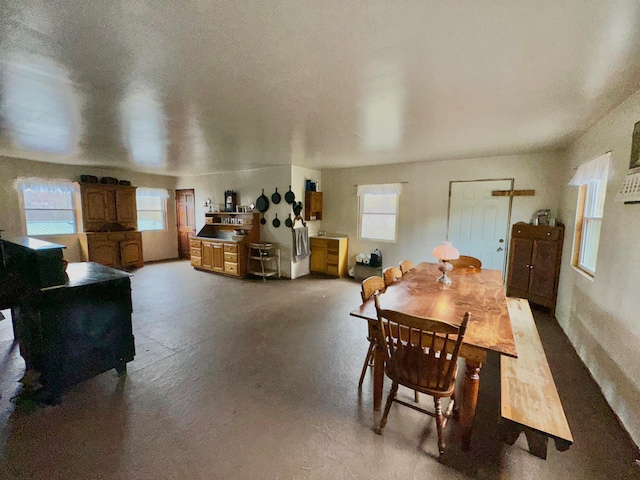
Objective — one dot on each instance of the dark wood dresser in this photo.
(534, 263)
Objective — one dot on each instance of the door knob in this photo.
(499, 249)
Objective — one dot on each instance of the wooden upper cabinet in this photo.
(108, 204)
(313, 205)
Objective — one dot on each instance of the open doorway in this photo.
(186, 217)
(478, 223)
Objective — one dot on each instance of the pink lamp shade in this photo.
(446, 251)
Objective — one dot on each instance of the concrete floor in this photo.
(250, 380)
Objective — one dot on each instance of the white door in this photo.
(479, 222)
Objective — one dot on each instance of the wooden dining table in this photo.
(477, 291)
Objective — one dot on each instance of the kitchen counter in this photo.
(217, 239)
(333, 236)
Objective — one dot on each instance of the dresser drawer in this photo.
(332, 259)
(318, 242)
(196, 243)
(332, 269)
(196, 252)
(231, 257)
(333, 245)
(539, 232)
(196, 261)
(132, 235)
(231, 268)
(230, 248)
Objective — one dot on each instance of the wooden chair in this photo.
(405, 266)
(391, 274)
(416, 357)
(466, 262)
(370, 286)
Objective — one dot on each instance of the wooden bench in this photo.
(529, 399)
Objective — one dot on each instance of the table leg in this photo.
(378, 383)
(469, 401)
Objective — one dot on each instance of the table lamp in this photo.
(445, 252)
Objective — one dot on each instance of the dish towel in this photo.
(300, 243)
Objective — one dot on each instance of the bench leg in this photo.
(537, 443)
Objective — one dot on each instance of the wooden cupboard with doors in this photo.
(313, 205)
(534, 263)
(105, 204)
(329, 255)
(113, 249)
(218, 249)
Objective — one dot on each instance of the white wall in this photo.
(600, 316)
(299, 176)
(155, 245)
(424, 199)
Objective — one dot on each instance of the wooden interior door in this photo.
(185, 212)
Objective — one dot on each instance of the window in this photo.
(49, 206)
(378, 211)
(592, 179)
(152, 206)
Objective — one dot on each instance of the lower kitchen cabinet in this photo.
(218, 256)
(113, 249)
(329, 255)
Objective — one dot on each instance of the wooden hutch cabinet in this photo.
(216, 250)
(534, 263)
(108, 204)
(110, 220)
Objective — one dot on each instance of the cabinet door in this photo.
(521, 249)
(318, 260)
(207, 255)
(543, 274)
(104, 252)
(125, 205)
(94, 208)
(218, 257)
(131, 252)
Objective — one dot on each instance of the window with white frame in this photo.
(591, 177)
(151, 204)
(49, 206)
(378, 211)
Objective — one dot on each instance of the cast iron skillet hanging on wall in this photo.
(275, 197)
(288, 222)
(262, 204)
(290, 197)
(276, 222)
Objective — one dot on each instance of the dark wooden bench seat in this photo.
(529, 398)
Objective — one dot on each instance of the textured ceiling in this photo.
(187, 87)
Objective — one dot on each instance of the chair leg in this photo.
(416, 396)
(439, 424)
(392, 395)
(367, 361)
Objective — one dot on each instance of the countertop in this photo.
(33, 243)
(87, 273)
(331, 236)
(218, 239)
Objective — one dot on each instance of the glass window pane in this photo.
(150, 220)
(149, 203)
(590, 243)
(379, 203)
(380, 227)
(48, 200)
(50, 222)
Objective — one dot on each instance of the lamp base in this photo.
(444, 266)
